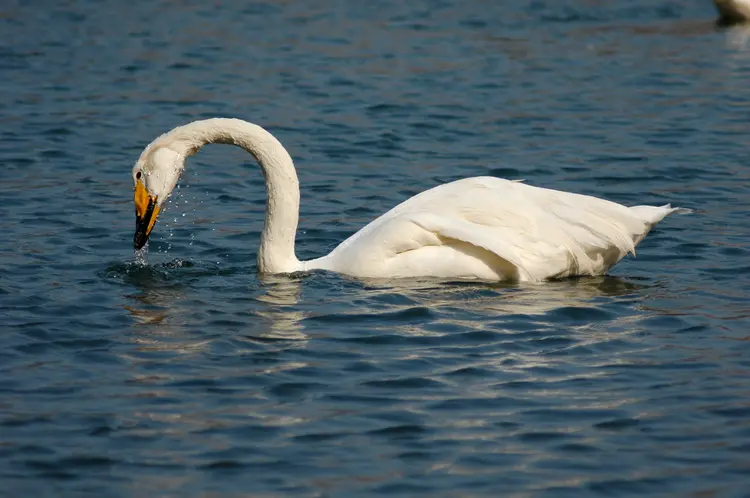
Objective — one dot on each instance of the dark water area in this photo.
(195, 376)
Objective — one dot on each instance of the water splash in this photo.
(141, 256)
(176, 272)
(182, 202)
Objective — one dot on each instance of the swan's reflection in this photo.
(512, 309)
(506, 299)
(162, 309)
(279, 295)
(160, 318)
(738, 37)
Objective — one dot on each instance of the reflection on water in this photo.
(162, 306)
(738, 37)
(506, 299)
(166, 301)
(278, 296)
(162, 318)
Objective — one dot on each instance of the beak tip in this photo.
(139, 241)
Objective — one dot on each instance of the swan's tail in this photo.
(654, 214)
(678, 210)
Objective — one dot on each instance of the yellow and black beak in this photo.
(146, 212)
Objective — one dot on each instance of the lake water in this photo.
(193, 376)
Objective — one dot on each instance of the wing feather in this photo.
(544, 233)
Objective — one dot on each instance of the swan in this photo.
(475, 228)
(733, 11)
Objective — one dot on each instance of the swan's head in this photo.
(155, 176)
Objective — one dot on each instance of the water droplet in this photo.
(141, 256)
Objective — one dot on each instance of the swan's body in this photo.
(481, 228)
(733, 11)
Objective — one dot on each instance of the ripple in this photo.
(406, 383)
(482, 403)
(617, 424)
(414, 314)
(400, 432)
(296, 389)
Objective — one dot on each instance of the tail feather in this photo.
(654, 214)
(677, 210)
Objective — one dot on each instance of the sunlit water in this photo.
(192, 376)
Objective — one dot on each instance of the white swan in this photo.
(482, 228)
(733, 11)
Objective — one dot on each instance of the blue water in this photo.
(193, 376)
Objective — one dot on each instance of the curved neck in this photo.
(276, 252)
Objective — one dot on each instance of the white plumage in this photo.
(480, 228)
(496, 229)
(733, 11)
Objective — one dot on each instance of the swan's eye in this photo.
(138, 176)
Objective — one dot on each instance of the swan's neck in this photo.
(276, 253)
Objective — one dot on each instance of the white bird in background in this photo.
(733, 11)
(476, 228)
